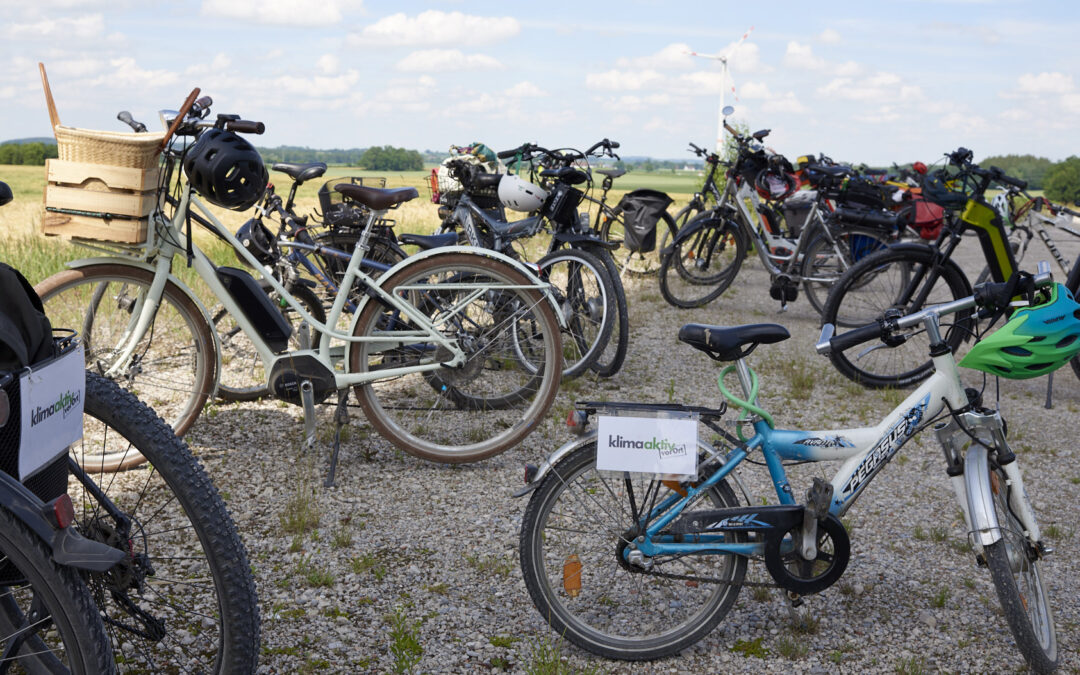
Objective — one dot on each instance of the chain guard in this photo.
(793, 573)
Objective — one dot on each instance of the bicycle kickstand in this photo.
(341, 418)
(1049, 391)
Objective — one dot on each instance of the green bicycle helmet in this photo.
(1035, 341)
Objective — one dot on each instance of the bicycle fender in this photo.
(69, 548)
(590, 437)
(175, 281)
(591, 239)
(472, 250)
(984, 523)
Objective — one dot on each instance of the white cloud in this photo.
(446, 60)
(802, 56)
(124, 73)
(279, 12)
(673, 56)
(623, 79)
(1071, 103)
(327, 64)
(1045, 83)
(65, 28)
(785, 103)
(318, 87)
(846, 69)
(436, 28)
(752, 90)
(965, 122)
(884, 115)
(632, 103)
(525, 90)
(879, 86)
(829, 36)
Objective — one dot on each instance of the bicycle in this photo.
(908, 275)
(575, 263)
(453, 354)
(708, 251)
(633, 565)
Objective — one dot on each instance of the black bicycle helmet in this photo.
(258, 240)
(226, 170)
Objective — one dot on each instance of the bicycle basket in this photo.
(339, 211)
(641, 210)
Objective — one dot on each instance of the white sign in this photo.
(51, 398)
(647, 445)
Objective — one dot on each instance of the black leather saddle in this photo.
(611, 173)
(300, 172)
(378, 199)
(730, 343)
(428, 241)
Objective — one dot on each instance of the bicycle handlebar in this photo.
(245, 126)
(987, 295)
(125, 117)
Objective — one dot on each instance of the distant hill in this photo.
(44, 140)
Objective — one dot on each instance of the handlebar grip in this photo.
(613, 144)
(870, 331)
(1002, 177)
(245, 126)
(125, 117)
(507, 154)
(202, 103)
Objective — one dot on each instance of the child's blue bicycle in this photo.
(634, 565)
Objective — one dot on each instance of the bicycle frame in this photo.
(175, 242)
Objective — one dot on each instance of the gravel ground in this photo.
(432, 549)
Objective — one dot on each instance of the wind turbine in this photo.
(725, 76)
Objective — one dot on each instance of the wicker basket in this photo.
(112, 148)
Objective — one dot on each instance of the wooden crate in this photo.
(95, 201)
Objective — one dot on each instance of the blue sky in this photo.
(871, 82)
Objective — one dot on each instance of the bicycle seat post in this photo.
(745, 380)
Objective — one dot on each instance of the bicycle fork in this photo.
(969, 473)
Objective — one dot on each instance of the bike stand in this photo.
(341, 418)
(1049, 391)
(307, 398)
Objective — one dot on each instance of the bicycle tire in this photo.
(1072, 282)
(175, 374)
(586, 296)
(1015, 571)
(821, 260)
(613, 357)
(876, 284)
(637, 263)
(700, 268)
(243, 377)
(488, 404)
(202, 590)
(37, 591)
(613, 613)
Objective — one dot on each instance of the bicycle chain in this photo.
(711, 580)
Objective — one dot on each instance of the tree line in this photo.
(33, 154)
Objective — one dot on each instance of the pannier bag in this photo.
(641, 210)
(26, 340)
(865, 192)
(923, 216)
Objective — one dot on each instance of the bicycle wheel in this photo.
(586, 295)
(243, 377)
(701, 267)
(573, 535)
(489, 403)
(1073, 284)
(612, 358)
(173, 368)
(905, 278)
(637, 263)
(823, 262)
(1014, 567)
(183, 600)
(48, 620)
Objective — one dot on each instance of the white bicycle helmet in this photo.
(520, 195)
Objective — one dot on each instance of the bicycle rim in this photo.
(702, 266)
(513, 361)
(173, 367)
(1019, 585)
(573, 535)
(823, 263)
(197, 611)
(905, 280)
(48, 620)
(587, 300)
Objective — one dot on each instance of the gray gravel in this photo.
(436, 545)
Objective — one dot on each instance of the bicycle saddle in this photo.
(837, 171)
(301, 172)
(428, 241)
(566, 174)
(726, 343)
(377, 199)
(611, 173)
